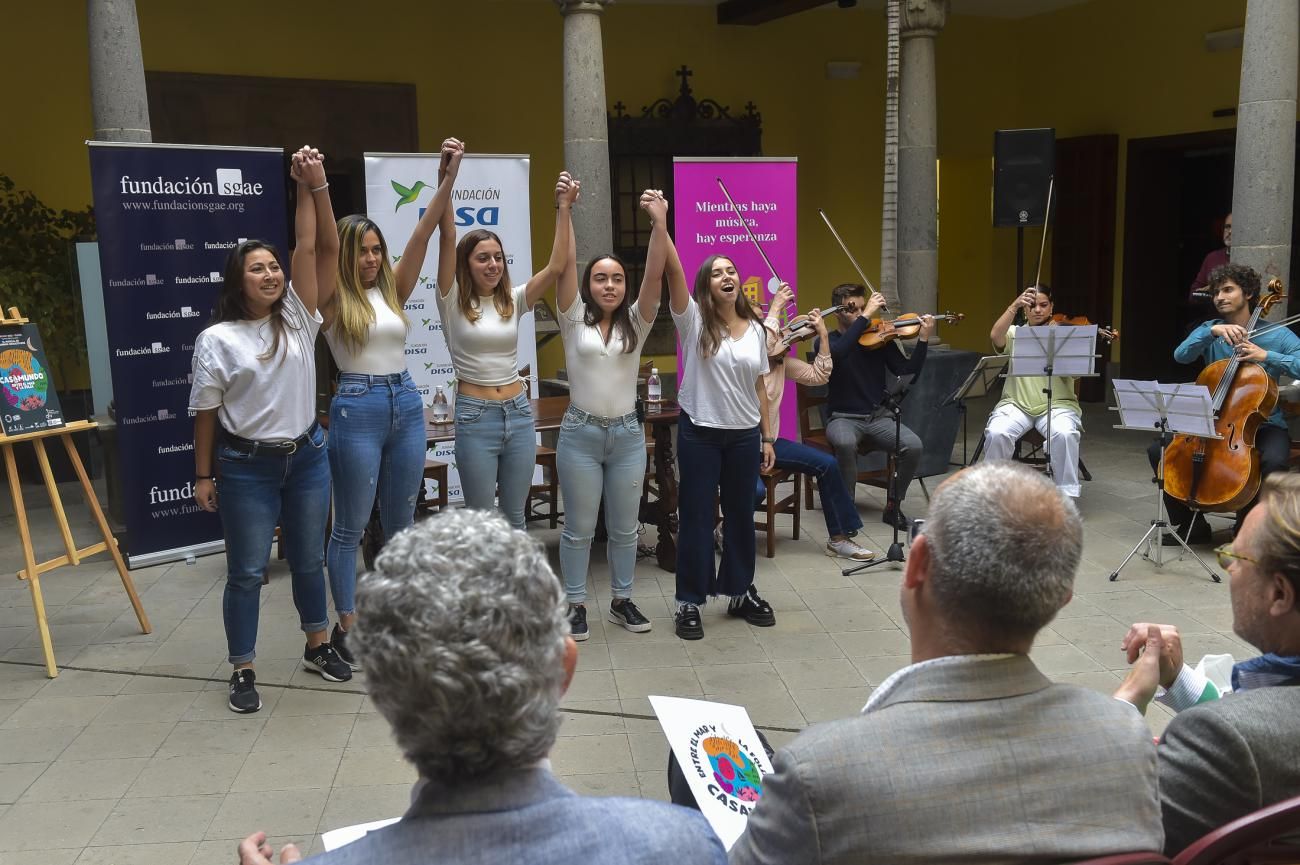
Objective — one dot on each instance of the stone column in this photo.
(1263, 180)
(918, 148)
(117, 94)
(586, 128)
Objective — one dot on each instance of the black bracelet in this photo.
(205, 477)
(769, 441)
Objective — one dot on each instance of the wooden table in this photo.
(548, 413)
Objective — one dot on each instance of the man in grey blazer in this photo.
(970, 754)
(1224, 758)
(463, 632)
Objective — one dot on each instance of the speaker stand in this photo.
(1020, 259)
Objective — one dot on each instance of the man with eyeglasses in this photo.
(1224, 758)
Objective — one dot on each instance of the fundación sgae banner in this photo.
(765, 192)
(168, 216)
(491, 192)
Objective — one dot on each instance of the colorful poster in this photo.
(765, 192)
(491, 192)
(168, 216)
(30, 403)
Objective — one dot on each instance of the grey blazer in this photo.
(1222, 760)
(527, 816)
(976, 761)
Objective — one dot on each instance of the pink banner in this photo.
(766, 194)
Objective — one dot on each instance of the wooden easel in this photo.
(31, 573)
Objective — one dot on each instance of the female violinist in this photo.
(1235, 289)
(1024, 401)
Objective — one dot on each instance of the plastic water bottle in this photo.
(441, 411)
(654, 389)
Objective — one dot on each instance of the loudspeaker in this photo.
(1023, 163)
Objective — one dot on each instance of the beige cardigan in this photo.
(800, 371)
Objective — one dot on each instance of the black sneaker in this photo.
(626, 614)
(339, 640)
(894, 516)
(243, 696)
(578, 622)
(324, 660)
(752, 609)
(687, 622)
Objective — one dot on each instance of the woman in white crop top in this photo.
(722, 437)
(377, 441)
(255, 373)
(601, 451)
(496, 444)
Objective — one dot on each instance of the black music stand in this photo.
(1185, 409)
(892, 403)
(981, 381)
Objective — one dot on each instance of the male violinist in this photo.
(1235, 292)
(857, 388)
(1024, 399)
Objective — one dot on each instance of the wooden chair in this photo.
(812, 432)
(772, 478)
(546, 493)
(1128, 859)
(437, 472)
(1036, 455)
(1251, 840)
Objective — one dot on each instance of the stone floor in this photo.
(131, 756)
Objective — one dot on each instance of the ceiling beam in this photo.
(751, 12)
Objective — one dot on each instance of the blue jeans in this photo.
(837, 508)
(724, 463)
(598, 456)
(257, 492)
(496, 447)
(376, 443)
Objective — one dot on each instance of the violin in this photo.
(1109, 334)
(907, 326)
(1223, 474)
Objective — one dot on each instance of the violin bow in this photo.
(745, 224)
(853, 261)
(1047, 222)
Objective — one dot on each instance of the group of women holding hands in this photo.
(261, 454)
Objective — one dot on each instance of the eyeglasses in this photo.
(1225, 555)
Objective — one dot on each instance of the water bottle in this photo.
(654, 389)
(441, 411)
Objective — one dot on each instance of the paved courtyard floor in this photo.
(131, 755)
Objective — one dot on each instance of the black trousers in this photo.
(1274, 445)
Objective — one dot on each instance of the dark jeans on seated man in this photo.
(1274, 445)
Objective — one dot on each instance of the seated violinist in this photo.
(857, 387)
(1024, 399)
(1235, 290)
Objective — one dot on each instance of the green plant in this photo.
(36, 272)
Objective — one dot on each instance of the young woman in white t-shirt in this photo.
(496, 443)
(255, 376)
(377, 441)
(601, 451)
(722, 439)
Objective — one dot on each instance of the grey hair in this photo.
(1005, 544)
(461, 629)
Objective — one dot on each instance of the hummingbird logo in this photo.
(428, 366)
(407, 196)
(426, 321)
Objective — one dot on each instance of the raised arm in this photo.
(305, 165)
(679, 293)
(446, 238)
(567, 289)
(565, 193)
(407, 271)
(656, 257)
(998, 333)
(327, 236)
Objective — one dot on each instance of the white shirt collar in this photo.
(887, 687)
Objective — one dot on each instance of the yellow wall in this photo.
(1115, 66)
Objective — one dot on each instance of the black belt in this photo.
(280, 448)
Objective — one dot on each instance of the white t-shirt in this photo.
(272, 399)
(602, 377)
(383, 352)
(486, 351)
(719, 391)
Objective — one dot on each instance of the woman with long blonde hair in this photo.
(377, 439)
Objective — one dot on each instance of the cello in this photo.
(1223, 474)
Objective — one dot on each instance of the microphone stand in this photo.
(892, 403)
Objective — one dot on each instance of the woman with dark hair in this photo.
(722, 436)
(255, 373)
(496, 443)
(601, 451)
(377, 438)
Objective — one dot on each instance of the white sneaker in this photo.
(847, 549)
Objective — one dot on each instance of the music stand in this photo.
(892, 403)
(980, 382)
(1053, 350)
(1186, 409)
